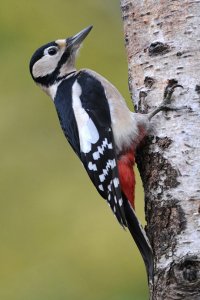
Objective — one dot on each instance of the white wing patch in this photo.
(88, 133)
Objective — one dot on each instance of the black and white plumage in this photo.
(98, 125)
(87, 126)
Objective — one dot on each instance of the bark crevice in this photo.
(184, 275)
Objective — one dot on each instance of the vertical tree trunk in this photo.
(163, 43)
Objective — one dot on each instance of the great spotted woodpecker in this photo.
(100, 128)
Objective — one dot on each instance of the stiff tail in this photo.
(140, 238)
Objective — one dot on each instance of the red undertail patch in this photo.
(127, 176)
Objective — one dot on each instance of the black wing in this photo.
(82, 97)
(99, 159)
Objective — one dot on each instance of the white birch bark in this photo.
(163, 42)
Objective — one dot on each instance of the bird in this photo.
(99, 126)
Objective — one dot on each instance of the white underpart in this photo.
(52, 89)
(88, 133)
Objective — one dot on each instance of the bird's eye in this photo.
(52, 51)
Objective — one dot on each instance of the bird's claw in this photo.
(166, 103)
(169, 90)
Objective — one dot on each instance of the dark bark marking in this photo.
(142, 95)
(167, 221)
(171, 180)
(167, 218)
(179, 53)
(126, 7)
(142, 106)
(145, 14)
(149, 81)
(126, 40)
(190, 17)
(125, 10)
(197, 89)
(163, 143)
(172, 82)
(189, 270)
(124, 17)
(188, 32)
(186, 274)
(186, 56)
(148, 67)
(181, 280)
(160, 165)
(158, 48)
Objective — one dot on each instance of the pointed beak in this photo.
(75, 41)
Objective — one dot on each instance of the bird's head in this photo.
(56, 59)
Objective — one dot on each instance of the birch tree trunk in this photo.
(163, 43)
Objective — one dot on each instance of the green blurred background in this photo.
(58, 238)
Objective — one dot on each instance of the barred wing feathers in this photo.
(97, 149)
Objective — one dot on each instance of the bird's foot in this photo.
(166, 103)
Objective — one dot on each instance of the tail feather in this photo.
(139, 237)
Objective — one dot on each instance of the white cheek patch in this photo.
(46, 64)
(88, 133)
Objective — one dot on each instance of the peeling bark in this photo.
(163, 43)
